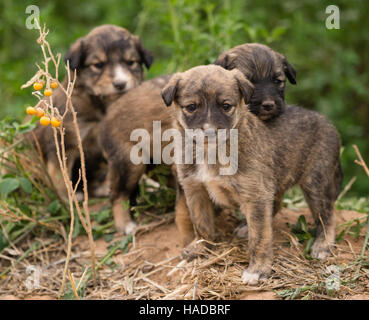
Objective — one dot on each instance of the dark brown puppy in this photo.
(267, 70)
(109, 62)
(299, 147)
(142, 105)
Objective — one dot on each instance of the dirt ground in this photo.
(153, 267)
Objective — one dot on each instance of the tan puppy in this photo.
(299, 147)
(109, 62)
(138, 108)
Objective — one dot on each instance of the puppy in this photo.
(143, 105)
(109, 62)
(268, 71)
(300, 147)
(137, 109)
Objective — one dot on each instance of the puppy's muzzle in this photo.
(268, 105)
(210, 132)
(120, 85)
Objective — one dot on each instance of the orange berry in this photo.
(53, 85)
(39, 112)
(31, 111)
(38, 86)
(48, 92)
(45, 121)
(55, 122)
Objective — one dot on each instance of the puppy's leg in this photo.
(122, 183)
(320, 198)
(259, 219)
(201, 210)
(183, 220)
(201, 213)
(242, 231)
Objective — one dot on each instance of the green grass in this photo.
(332, 65)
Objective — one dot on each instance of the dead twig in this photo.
(362, 163)
(48, 107)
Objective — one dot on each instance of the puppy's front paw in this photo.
(320, 250)
(252, 275)
(79, 196)
(101, 192)
(195, 249)
(242, 231)
(126, 228)
(251, 278)
(130, 227)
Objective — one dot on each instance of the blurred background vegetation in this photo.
(332, 65)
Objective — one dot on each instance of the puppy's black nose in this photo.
(268, 105)
(120, 85)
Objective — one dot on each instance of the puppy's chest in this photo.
(220, 187)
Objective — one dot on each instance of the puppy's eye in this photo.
(99, 65)
(277, 81)
(227, 107)
(131, 62)
(191, 108)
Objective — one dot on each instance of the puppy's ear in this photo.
(76, 55)
(146, 56)
(225, 60)
(245, 86)
(289, 71)
(169, 91)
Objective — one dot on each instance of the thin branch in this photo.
(361, 161)
(47, 105)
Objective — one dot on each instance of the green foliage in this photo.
(28, 203)
(294, 199)
(303, 234)
(354, 204)
(294, 293)
(23, 199)
(8, 185)
(156, 195)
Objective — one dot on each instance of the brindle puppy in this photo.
(299, 147)
(143, 105)
(109, 62)
(267, 70)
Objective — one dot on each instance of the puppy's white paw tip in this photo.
(101, 192)
(130, 227)
(320, 251)
(250, 278)
(321, 255)
(79, 196)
